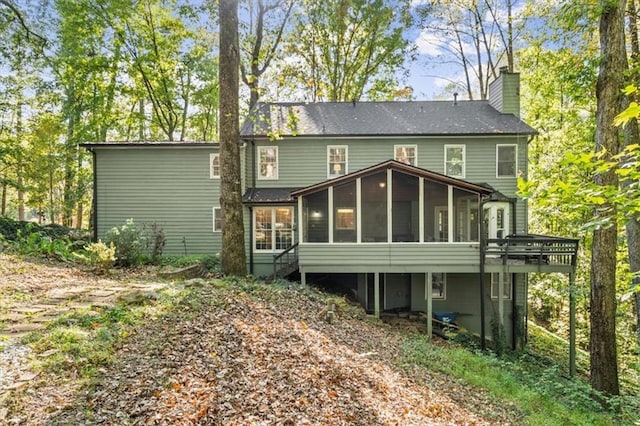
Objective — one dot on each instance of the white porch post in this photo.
(376, 294)
(428, 296)
(303, 278)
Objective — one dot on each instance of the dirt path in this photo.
(35, 292)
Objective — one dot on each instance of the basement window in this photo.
(507, 283)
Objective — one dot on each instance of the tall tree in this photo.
(233, 252)
(476, 35)
(613, 65)
(632, 136)
(262, 38)
(347, 49)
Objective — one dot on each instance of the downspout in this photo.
(482, 254)
(514, 304)
(94, 201)
(250, 239)
(514, 318)
(253, 187)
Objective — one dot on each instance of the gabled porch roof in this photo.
(398, 166)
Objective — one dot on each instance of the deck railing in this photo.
(533, 249)
(286, 262)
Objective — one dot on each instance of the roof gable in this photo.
(401, 167)
(417, 118)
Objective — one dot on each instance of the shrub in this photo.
(130, 243)
(156, 240)
(99, 256)
(36, 243)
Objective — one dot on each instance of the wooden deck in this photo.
(530, 253)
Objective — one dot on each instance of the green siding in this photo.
(303, 161)
(167, 185)
(395, 257)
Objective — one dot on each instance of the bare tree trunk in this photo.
(632, 135)
(19, 162)
(233, 253)
(3, 202)
(602, 342)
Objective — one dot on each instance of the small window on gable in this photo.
(507, 284)
(454, 160)
(506, 160)
(217, 219)
(268, 162)
(336, 161)
(214, 166)
(438, 285)
(406, 154)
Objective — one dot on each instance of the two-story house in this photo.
(408, 205)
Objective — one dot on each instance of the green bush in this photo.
(36, 243)
(130, 243)
(99, 256)
(156, 240)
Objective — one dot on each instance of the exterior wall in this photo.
(504, 93)
(303, 161)
(166, 185)
(395, 257)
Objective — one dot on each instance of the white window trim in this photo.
(346, 160)
(508, 281)
(276, 174)
(464, 160)
(444, 287)
(515, 169)
(415, 152)
(217, 211)
(273, 233)
(212, 175)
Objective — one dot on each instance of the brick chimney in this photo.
(504, 92)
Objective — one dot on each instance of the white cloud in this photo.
(430, 43)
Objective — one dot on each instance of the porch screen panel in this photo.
(374, 208)
(316, 217)
(405, 210)
(344, 213)
(465, 207)
(436, 206)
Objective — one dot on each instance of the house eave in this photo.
(395, 165)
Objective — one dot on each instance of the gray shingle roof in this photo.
(382, 119)
(268, 195)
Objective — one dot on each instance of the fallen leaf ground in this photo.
(238, 354)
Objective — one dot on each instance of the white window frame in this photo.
(212, 173)
(508, 285)
(464, 160)
(259, 163)
(515, 166)
(273, 229)
(217, 215)
(346, 160)
(415, 153)
(444, 286)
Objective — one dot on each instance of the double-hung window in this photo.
(506, 161)
(217, 219)
(336, 161)
(406, 154)
(273, 228)
(267, 162)
(214, 166)
(506, 283)
(454, 160)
